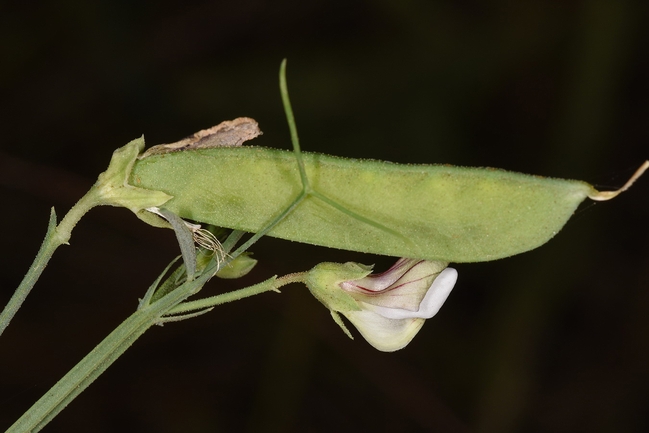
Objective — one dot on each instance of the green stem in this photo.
(101, 357)
(283, 90)
(83, 374)
(111, 188)
(55, 237)
(116, 343)
(254, 238)
(272, 284)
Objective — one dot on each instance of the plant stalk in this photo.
(55, 237)
(114, 345)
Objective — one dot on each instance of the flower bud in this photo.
(237, 268)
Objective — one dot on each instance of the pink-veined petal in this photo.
(379, 282)
(406, 292)
(431, 303)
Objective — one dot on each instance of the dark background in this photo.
(554, 340)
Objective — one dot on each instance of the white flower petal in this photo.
(438, 293)
(386, 335)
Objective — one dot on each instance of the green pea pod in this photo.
(432, 212)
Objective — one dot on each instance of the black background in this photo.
(552, 340)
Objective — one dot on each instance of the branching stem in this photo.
(55, 237)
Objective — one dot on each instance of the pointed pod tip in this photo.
(607, 195)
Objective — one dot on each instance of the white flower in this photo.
(389, 308)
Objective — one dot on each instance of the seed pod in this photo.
(432, 212)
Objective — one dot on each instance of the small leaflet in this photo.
(226, 134)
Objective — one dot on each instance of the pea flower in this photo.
(388, 309)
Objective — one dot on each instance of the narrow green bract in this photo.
(432, 212)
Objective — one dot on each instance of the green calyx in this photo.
(113, 188)
(324, 283)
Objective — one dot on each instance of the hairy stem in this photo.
(272, 284)
(55, 237)
(102, 356)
